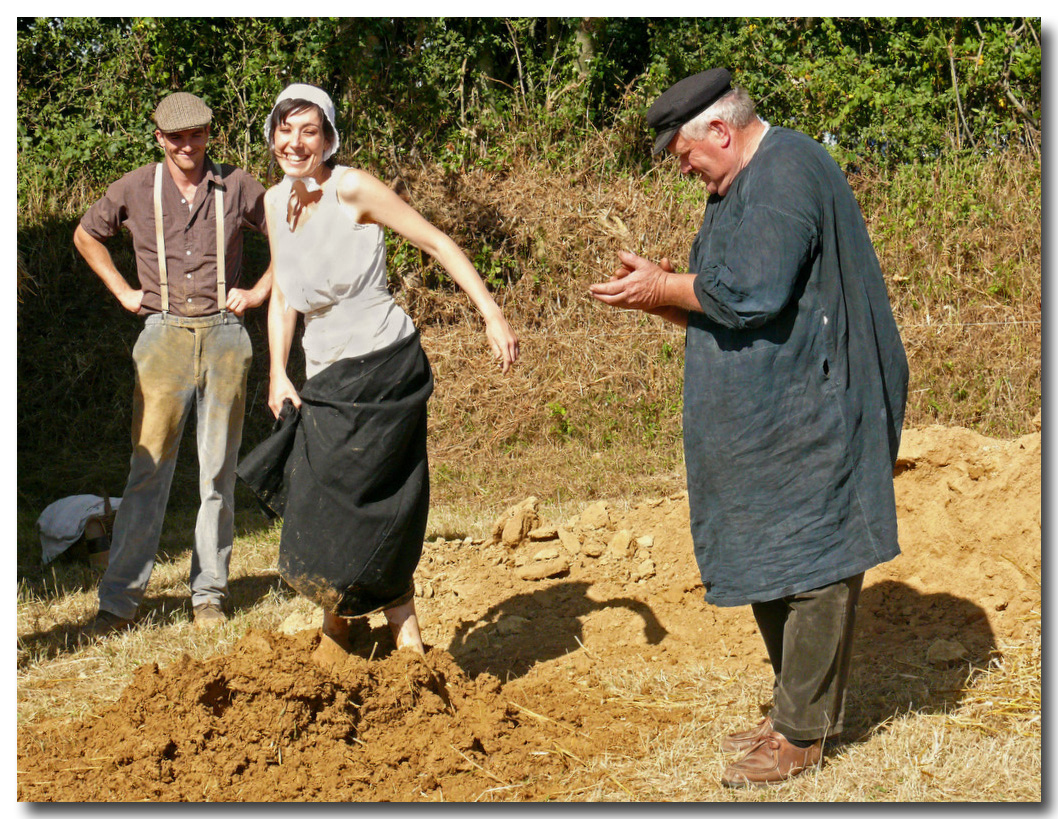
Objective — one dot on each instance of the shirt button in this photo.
(189, 300)
(189, 253)
(183, 201)
(188, 275)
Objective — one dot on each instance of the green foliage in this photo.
(879, 90)
(472, 93)
(87, 86)
(466, 91)
(561, 423)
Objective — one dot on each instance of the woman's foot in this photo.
(404, 624)
(337, 628)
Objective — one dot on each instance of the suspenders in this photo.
(159, 235)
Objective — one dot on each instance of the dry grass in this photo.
(987, 747)
(962, 254)
(598, 392)
(593, 407)
(577, 418)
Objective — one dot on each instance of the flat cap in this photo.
(181, 111)
(684, 101)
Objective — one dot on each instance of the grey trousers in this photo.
(809, 641)
(179, 362)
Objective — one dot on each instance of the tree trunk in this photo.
(585, 39)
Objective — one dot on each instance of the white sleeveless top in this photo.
(332, 270)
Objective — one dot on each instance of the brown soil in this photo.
(498, 708)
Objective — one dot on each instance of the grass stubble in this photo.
(985, 748)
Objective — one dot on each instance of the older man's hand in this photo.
(638, 284)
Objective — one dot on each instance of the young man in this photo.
(186, 216)
(795, 382)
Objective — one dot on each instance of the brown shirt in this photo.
(190, 233)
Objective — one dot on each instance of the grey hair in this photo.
(736, 108)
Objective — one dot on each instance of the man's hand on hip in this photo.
(239, 301)
(131, 300)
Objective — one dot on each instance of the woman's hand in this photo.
(279, 390)
(502, 341)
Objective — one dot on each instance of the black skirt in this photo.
(350, 478)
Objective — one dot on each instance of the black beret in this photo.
(684, 101)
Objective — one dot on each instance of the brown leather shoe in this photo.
(744, 740)
(773, 759)
(104, 624)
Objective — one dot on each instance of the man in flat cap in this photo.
(186, 215)
(795, 382)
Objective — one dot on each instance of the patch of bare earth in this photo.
(528, 631)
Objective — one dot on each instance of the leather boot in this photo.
(773, 759)
(104, 624)
(744, 740)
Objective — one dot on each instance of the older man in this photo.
(186, 215)
(795, 383)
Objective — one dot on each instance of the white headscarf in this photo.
(303, 91)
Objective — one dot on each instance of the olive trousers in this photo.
(809, 641)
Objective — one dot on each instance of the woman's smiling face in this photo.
(299, 143)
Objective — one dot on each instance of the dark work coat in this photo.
(795, 382)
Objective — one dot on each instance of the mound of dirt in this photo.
(283, 718)
(498, 708)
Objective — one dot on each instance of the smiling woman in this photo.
(355, 481)
(300, 142)
(298, 130)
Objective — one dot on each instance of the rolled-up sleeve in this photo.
(754, 279)
(105, 218)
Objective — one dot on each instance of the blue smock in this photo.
(795, 382)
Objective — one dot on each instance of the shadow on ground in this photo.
(155, 611)
(523, 630)
(893, 672)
